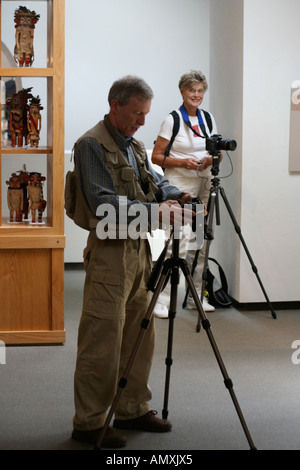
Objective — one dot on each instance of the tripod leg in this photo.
(238, 231)
(213, 203)
(172, 315)
(194, 265)
(123, 381)
(206, 326)
(207, 234)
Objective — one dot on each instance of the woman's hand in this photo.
(191, 163)
(204, 163)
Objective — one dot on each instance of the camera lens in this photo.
(227, 145)
(216, 143)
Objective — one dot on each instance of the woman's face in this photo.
(193, 96)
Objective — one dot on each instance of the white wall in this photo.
(226, 103)
(263, 193)
(158, 40)
(266, 161)
(249, 51)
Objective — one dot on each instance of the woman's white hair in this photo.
(188, 79)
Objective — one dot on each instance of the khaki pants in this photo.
(115, 302)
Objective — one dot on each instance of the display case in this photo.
(32, 250)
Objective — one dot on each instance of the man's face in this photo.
(129, 118)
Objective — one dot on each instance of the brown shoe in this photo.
(111, 439)
(148, 422)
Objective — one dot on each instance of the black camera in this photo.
(215, 143)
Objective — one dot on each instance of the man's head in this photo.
(130, 100)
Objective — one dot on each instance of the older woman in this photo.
(187, 166)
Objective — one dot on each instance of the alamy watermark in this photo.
(295, 94)
(296, 354)
(2, 353)
(136, 220)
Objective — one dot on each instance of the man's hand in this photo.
(185, 198)
(171, 213)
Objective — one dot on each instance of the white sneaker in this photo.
(161, 311)
(206, 306)
(190, 304)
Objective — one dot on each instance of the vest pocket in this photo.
(127, 174)
(128, 185)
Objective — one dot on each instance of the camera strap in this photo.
(187, 121)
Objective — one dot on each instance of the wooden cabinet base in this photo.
(32, 337)
(32, 296)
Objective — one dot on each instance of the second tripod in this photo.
(213, 208)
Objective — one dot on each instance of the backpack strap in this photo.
(176, 129)
(175, 132)
(208, 120)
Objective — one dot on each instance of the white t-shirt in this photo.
(186, 143)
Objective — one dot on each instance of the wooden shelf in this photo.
(32, 255)
(26, 150)
(26, 72)
(8, 242)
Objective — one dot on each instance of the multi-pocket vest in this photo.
(127, 183)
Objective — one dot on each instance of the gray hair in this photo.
(126, 87)
(193, 77)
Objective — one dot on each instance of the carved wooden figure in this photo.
(25, 24)
(16, 127)
(34, 122)
(24, 178)
(35, 195)
(18, 116)
(15, 198)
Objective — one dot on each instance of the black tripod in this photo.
(163, 270)
(213, 203)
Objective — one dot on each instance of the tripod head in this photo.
(216, 155)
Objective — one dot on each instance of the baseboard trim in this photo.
(71, 266)
(294, 305)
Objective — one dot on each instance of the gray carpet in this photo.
(37, 384)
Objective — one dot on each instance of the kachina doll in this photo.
(18, 116)
(15, 198)
(25, 24)
(24, 178)
(34, 121)
(35, 195)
